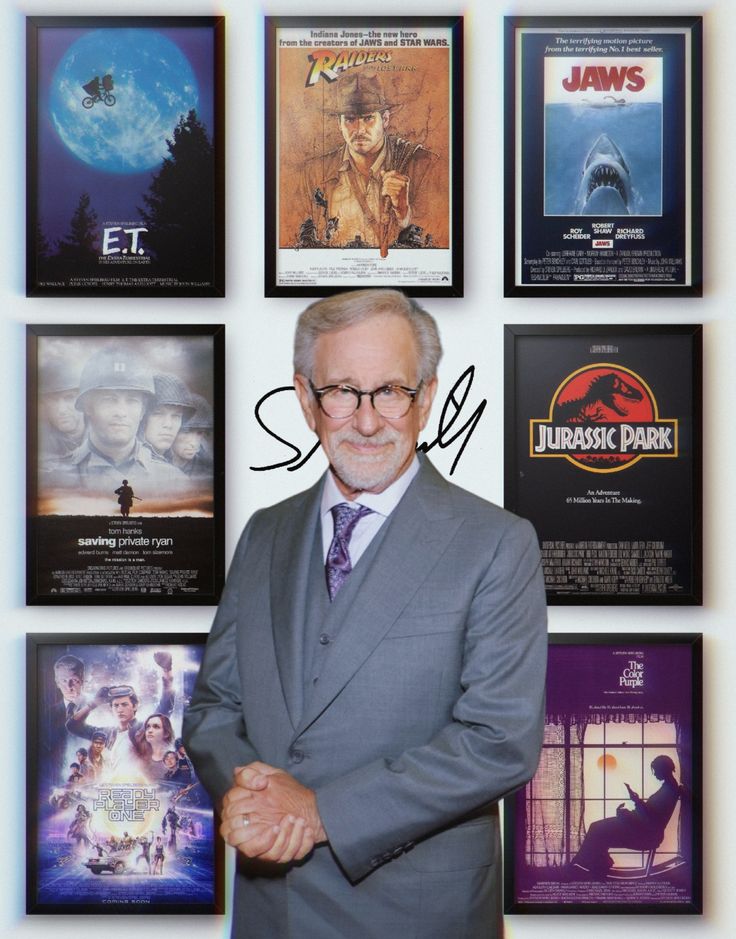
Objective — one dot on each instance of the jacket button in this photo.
(296, 756)
(324, 639)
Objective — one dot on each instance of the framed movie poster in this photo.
(603, 456)
(364, 163)
(603, 141)
(125, 153)
(611, 821)
(117, 821)
(125, 464)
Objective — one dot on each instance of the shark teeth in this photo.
(606, 175)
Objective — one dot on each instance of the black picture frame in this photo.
(615, 703)
(167, 544)
(587, 149)
(125, 797)
(603, 430)
(125, 182)
(306, 251)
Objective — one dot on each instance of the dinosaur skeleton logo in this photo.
(603, 418)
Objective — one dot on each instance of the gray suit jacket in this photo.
(429, 708)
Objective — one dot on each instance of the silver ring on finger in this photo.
(246, 821)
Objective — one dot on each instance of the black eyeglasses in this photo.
(341, 401)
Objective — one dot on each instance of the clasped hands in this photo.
(269, 815)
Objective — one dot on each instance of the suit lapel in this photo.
(290, 562)
(423, 518)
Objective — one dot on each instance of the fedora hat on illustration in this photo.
(360, 94)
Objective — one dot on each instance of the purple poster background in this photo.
(609, 823)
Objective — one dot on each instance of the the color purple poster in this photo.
(125, 156)
(610, 823)
(117, 819)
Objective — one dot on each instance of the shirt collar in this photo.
(382, 503)
(347, 160)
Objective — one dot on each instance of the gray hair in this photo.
(347, 309)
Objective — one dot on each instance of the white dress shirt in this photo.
(382, 505)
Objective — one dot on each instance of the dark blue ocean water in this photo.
(571, 130)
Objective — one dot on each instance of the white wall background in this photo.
(259, 336)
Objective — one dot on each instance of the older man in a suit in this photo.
(373, 682)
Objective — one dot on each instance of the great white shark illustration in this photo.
(605, 188)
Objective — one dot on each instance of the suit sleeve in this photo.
(214, 729)
(490, 747)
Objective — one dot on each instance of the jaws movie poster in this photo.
(118, 821)
(604, 189)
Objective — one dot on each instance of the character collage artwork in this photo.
(121, 819)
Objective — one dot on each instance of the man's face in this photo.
(367, 452)
(68, 682)
(162, 426)
(114, 415)
(124, 710)
(170, 760)
(364, 133)
(187, 443)
(61, 413)
(97, 746)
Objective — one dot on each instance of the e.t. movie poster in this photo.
(611, 821)
(125, 464)
(603, 427)
(603, 156)
(125, 156)
(118, 821)
(364, 125)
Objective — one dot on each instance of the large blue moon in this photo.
(154, 84)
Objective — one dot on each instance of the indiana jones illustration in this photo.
(364, 149)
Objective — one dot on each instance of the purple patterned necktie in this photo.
(338, 564)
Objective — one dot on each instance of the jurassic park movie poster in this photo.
(363, 122)
(125, 464)
(603, 436)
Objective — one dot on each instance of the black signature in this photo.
(447, 433)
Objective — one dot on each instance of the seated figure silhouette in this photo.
(641, 828)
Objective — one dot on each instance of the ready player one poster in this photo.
(125, 156)
(117, 819)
